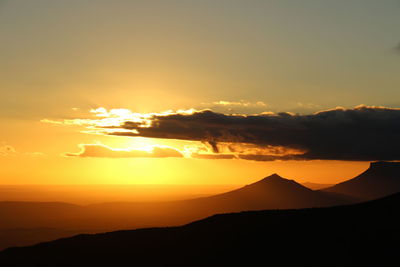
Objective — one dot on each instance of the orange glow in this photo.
(50, 166)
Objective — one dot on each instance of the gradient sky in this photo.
(60, 59)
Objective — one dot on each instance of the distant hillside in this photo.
(316, 186)
(15, 214)
(364, 234)
(30, 236)
(273, 192)
(379, 180)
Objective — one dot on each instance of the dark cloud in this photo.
(259, 157)
(100, 151)
(363, 133)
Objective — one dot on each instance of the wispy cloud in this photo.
(102, 151)
(104, 121)
(240, 103)
(307, 105)
(9, 151)
(240, 107)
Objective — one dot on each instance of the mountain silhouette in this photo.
(20, 219)
(379, 180)
(272, 192)
(363, 234)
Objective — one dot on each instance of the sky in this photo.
(122, 92)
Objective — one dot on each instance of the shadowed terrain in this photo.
(379, 180)
(30, 236)
(273, 192)
(27, 223)
(364, 234)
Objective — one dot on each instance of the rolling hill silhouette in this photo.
(273, 192)
(379, 180)
(363, 234)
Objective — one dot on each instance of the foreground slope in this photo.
(364, 234)
(379, 180)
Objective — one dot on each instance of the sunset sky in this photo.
(196, 92)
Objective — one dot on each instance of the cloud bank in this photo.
(102, 151)
(360, 134)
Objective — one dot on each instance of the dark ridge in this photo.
(384, 164)
(272, 192)
(363, 234)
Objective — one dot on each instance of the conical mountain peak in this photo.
(274, 176)
(275, 179)
(274, 192)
